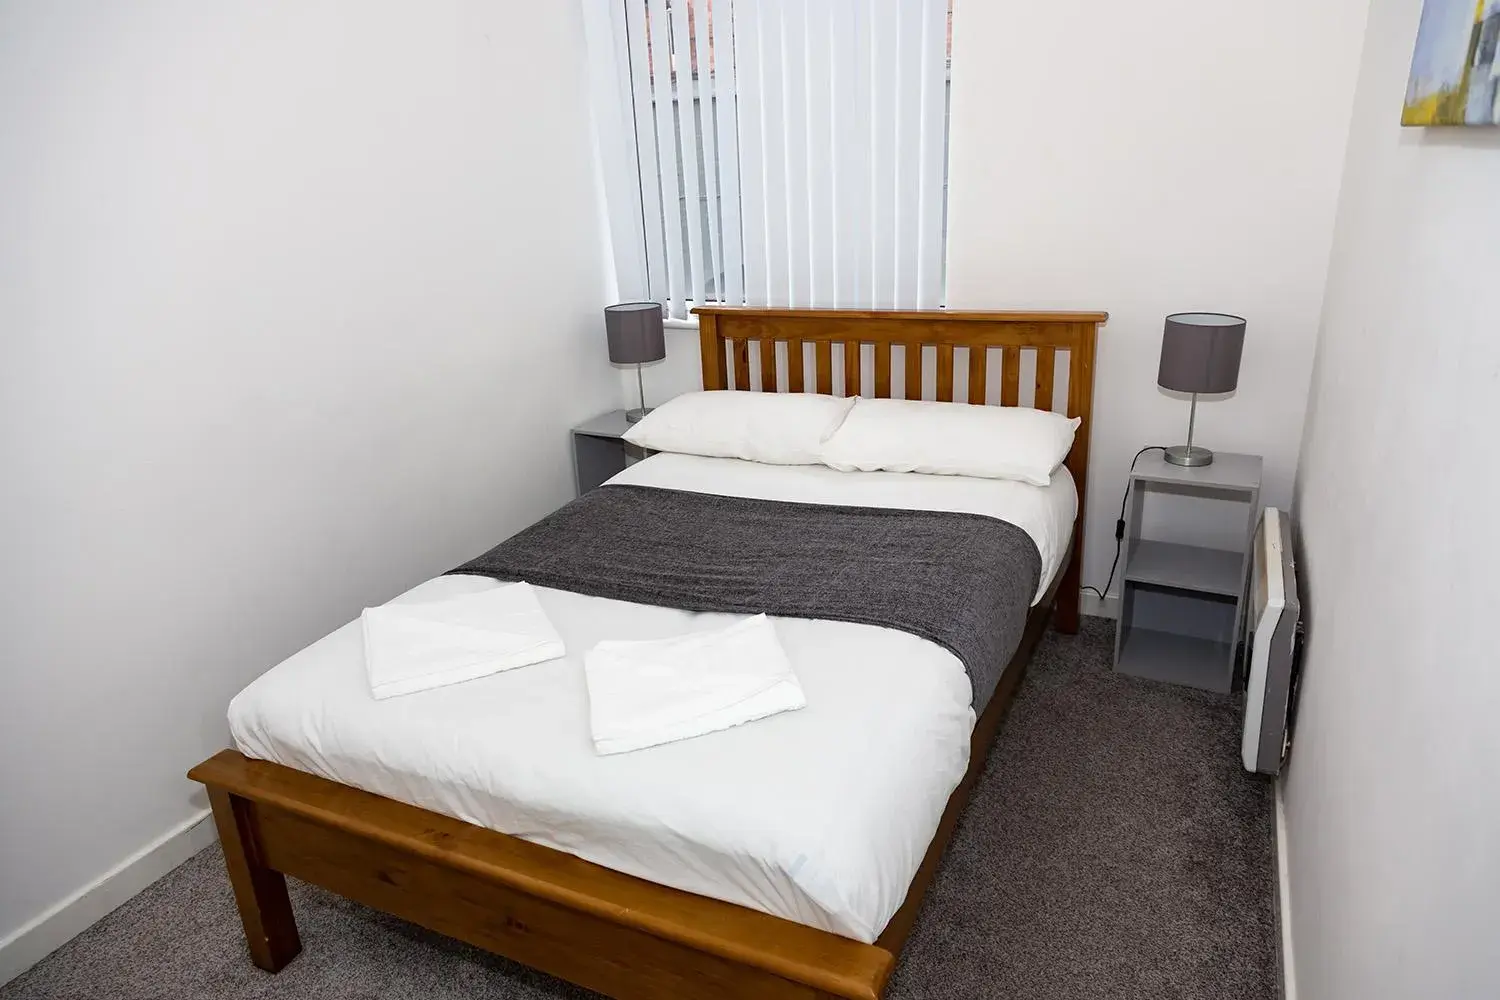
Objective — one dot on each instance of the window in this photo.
(774, 152)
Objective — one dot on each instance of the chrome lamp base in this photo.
(637, 414)
(1189, 456)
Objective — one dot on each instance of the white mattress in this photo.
(820, 816)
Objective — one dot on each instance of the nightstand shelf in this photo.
(1182, 602)
(1191, 567)
(1166, 656)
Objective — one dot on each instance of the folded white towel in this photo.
(645, 693)
(413, 647)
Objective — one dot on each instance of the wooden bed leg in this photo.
(265, 909)
(1065, 611)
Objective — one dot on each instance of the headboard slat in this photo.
(742, 364)
(882, 369)
(851, 368)
(945, 373)
(711, 351)
(1046, 376)
(1010, 378)
(979, 361)
(767, 349)
(913, 385)
(823, 362)
(794, 365)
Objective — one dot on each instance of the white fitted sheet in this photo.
(820, 815)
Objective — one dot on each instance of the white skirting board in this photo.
(1094, 606)
(51, 930)
(1284, 903)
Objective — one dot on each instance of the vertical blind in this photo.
(773, 152)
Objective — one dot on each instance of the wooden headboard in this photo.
(939, 350)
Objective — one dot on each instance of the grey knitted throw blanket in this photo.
(963, 581)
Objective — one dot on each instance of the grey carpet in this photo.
(1113, 849)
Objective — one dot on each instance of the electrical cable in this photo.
(1120, 523)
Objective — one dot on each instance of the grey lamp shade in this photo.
(635, 333)
(1200, 352)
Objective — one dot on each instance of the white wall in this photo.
(1146, 158)
(1393, 815)
(297, 303)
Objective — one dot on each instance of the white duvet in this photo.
(820, 815)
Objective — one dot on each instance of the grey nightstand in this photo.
(1182, 604)
(600, 451)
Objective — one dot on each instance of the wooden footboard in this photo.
(622, 936)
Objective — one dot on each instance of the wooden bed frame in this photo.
(619, 935)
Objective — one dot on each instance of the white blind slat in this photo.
(908, 177)
(749, 88)
(686, 127)
(822, 51)
(666, 156)
(774, 150)
(933, 141)
(647, 186)
(726, 126)
(883, 148)
(855, 175)
(613, 117)
(703, 99)
(799, 165)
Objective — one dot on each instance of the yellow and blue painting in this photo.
(1455, 75)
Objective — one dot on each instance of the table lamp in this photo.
(1200, 352)
(635, 338)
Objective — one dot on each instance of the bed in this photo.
(638, 881)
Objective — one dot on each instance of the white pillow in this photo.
(777, 428)
(951, 439)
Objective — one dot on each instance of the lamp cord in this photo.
(1120, 522)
